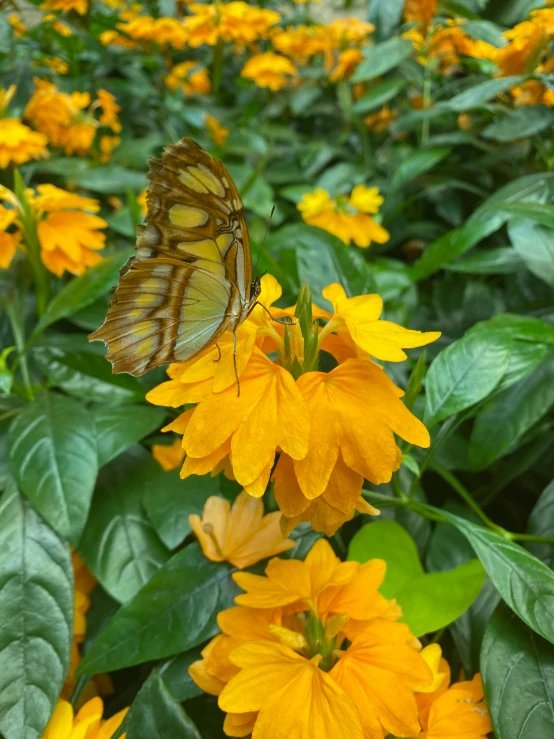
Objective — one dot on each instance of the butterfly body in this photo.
(191, 277)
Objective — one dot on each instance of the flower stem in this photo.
(426, 105)
(217, 66)
(15, 316)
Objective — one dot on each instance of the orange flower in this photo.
(346, 217)
(315, 654)
(241, 535)
(107, 145)
(65, 6)
(8, 241)
(380, 121)
(169, 457)
(420, 11)
(218, 132)
(87, 723)
(18, 144)
(190, 78)
(346, 64)
(235, 22)
(269, 70)
(110, 109)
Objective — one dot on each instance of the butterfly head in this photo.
(255, 288)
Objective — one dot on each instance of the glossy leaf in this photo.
(501, 261)
(519, 123)
(119, 428)
(517, 667)
(385, 15)
(36, 613)
(511, 414)
(119, 544)
(477, 95)
(52, 448)
(84, 290)
(155, 714)
(173, 612)
(535, 246)
(541, 523)
(381, 58)
(379, 95)
(524, 582)
(175, 674)
(416, 164)
(538, 212)
(464, 373)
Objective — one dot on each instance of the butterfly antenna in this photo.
(263, 242)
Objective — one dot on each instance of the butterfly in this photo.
(190, 279)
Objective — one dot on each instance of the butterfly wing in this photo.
(190, 278)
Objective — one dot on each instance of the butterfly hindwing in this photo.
(190, 278)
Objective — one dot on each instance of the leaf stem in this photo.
(15, 317)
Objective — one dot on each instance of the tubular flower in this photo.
(451, 712)
(269, 70)
(218, 132)
(420, 11)
(87, 723)
(346, 64)
(346, 217)
(313, 652)
(190, 78)
(240, 534)
(18, 144)
(331, 430)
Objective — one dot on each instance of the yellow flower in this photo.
(218, 132)
(8, 241)
(65, 6)
(300, 43)
(19, 144)
(331, 430)
(141, 201)
(168, 456)
(236, 22)
(87, 723)
(241, 535)
(347, 62)
(107, 145)
(344, 31)
(56, 64)
(110, 109)
(456, 711)
(19, 28)
(269, 70)
(313, 652)
(420, 11)
(190, 78)
(58, 26)
(448, 43)
(346, 218)
(84, 585)
(380, 121)
(6, 96)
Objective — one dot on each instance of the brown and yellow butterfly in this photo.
(191, 277)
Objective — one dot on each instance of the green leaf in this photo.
(173, 612)
(417, 164)
(500, 426)
(84, 290)
(379, 95)
(524, 582)
(169, 502)
(155, 714)
(535, 246)
(541, 523)
(88, 377)
(538, 212)
(110, 179)
(520, 123)
(522, 328)
(52, 449)
(119, 428)
(386, 16)
(175, 674)
(464, 373)
(517, 667)
(502, 261)
(36, 612)
(477, 95)
(433, 600)
(390, 541)
(119, 544)
(381, 58)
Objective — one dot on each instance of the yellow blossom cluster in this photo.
(527, 51)
(444, 44)
(269, 70)
(68, 120)
(68, 233)
(66, 6)
(18, 143)
(330, 430)
(189, 77)
(218, 132)
(420, 11)
(312, 650)
(348, 218)
(87, 724)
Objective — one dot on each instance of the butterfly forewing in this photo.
(190, 278)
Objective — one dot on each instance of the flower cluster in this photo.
(312, 650)
(443, 45)
(68, 120)
(331, 430)
(87, 723)
(62, 223)
(347, 217)
(18, 143)
(269, 70)
(190, 78)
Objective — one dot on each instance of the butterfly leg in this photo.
(285, 320)
(219, 350)
(235, 362)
